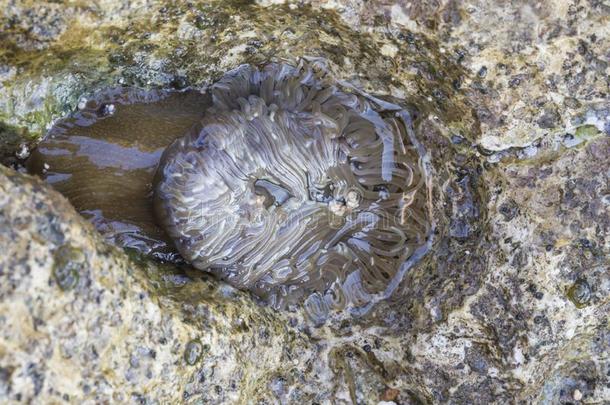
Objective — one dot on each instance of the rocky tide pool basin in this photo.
(509, 304)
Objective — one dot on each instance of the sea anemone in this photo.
(298, 188)
(289, 183)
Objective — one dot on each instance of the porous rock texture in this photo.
(82, 322)
(512, 304)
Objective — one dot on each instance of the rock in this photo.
(81, 322)
(510, 305)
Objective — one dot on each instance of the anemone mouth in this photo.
(296, 189)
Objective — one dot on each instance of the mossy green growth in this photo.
(11, 138)
(585, 132)
(69, 264)
(193, 351)
(579, 293)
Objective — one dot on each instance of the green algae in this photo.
(197, 43)
(579, 293)
(585, 132)
(69, 264)
(193, 352)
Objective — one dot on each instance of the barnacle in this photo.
(298, 188)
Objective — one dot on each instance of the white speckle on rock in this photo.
(267, 3)
(389, 50)
(518, 355)
(399, 17)
(233, 55)
(187, 31)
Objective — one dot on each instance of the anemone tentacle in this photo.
(295, 189)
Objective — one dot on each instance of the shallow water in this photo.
(103, 159)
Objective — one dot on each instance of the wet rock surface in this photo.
(83, 321)
(511, 103)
